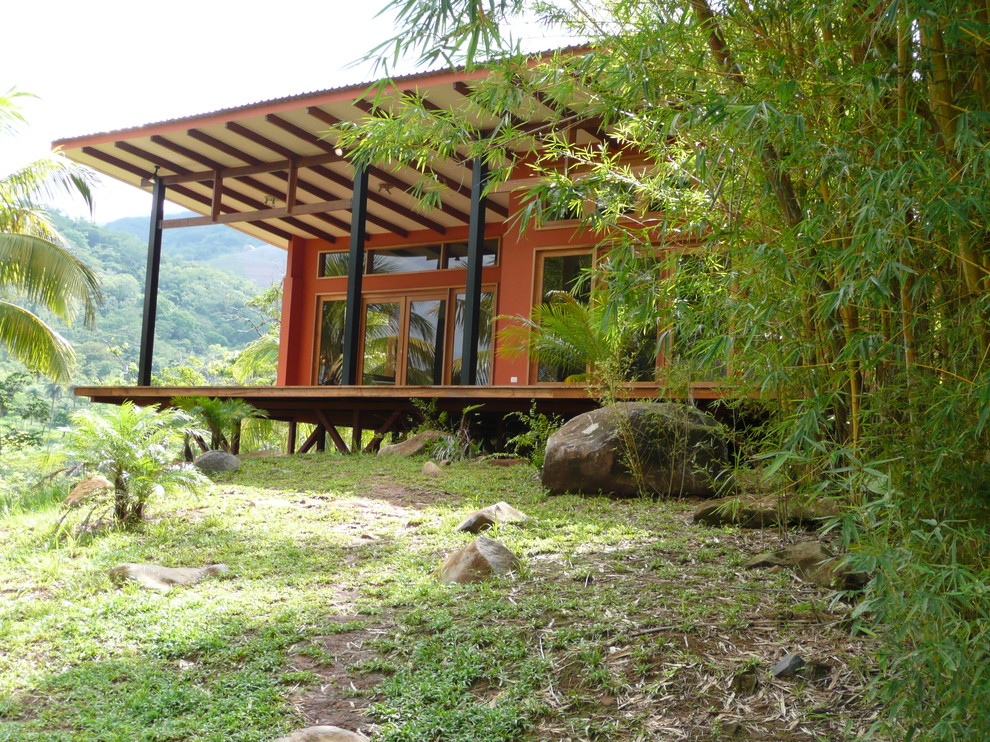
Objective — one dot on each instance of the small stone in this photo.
(812, 562)
(156, 577)
(86, 487)
(431, 470)
(323, 734)
(413, 445)
(481, 520)
(788, 667)
(478, 561)
(217, 462)
(745, 682)
(747, 511)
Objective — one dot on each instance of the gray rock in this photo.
(747, 511)
(323, 734)
(216, 462)
(788, 667)
(156, 577)
(412, 446)
(677, 450)
(501, 512)
(478, 561)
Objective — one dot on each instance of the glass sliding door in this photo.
(424, 341)
(563, 274)
(329, 362)
(484, 369)
(382, 337)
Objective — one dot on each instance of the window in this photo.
(409, 258)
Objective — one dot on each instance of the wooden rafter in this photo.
(264, 141)
(333, 177)
(383, 175)
(180, 190)
(251, 182)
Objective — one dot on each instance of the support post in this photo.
(472, 291)
(355, 274)
(151, 282)
(290, 443)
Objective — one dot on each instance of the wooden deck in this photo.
(384, 408)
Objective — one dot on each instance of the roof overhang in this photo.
(271, 169)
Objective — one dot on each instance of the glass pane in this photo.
(568, 274)
(333, 264)
(424, 349)
(381, 343)
(484, 367)
(404, 259)
(457, 254)
(331, 342)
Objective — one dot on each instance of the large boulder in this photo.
(217, 462)
(413, 445)
(634, 448)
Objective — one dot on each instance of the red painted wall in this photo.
(513, 277)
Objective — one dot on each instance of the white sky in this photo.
(100, 65)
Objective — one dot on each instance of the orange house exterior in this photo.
(271, 170)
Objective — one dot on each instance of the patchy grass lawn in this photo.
(627, 623)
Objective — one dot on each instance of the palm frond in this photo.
(35, 344)
(43, 271)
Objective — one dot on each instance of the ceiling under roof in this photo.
(275, 164)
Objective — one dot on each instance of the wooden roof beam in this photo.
(264, 141)
(330, 175)
(181, 190)
(238, 172)
(252, 183)
(204, 138)
(386, 177)
(258, 215)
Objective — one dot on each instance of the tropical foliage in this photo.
(37, 266)
(828, 163)
(130, 446)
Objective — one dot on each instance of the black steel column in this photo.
(355, 273)
(151, 282)
(472, 291)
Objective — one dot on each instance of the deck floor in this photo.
(372, 406)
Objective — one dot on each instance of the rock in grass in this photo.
(501, 512)
(478, 561)
(156, 577)
(788, 667)
(87, 487)
(431, 470)
(412, 446)
(812, 562)
(676, 450)
(762, 512)
(323, 734)
(217, 462)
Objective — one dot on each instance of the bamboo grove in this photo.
(829, 161)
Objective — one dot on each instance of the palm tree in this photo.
(36, 263)
(580, 342)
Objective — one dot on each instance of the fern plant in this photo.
(130, 446)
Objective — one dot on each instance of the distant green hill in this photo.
(217, 246)
(201, 306)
